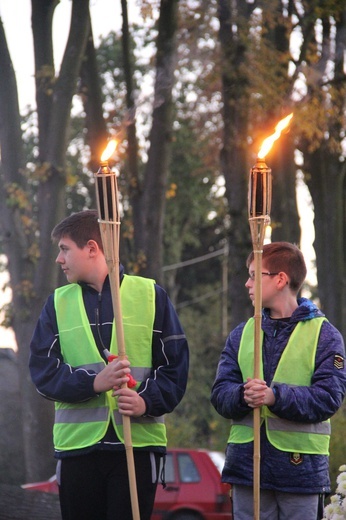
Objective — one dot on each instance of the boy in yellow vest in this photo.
(302, 384)
(71, 350)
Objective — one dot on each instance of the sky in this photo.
(105, 17)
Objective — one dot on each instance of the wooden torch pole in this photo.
(109, 220)
(259, 210)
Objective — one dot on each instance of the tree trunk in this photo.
(91, 94)
(37, 413)
(322, 148)
(234, 155)
(31, 258)
(160, 141)
(325, 182)
(275, 45)
(284, 215)
(135, 187)
(42, 30)
(12, 470)
(18, 229)
(52, 185)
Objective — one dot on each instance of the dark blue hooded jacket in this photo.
(280, 470)
(58, 381)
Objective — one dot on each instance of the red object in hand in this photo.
(131, 382)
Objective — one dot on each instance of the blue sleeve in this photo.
(323, 398)
(165, 387)
(227, 391)
(53, 378)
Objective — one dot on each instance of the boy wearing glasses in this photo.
(303, 384)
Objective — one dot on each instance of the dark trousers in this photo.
(96, 486)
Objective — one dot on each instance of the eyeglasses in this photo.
(252, 274)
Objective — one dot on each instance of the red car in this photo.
(193, 487)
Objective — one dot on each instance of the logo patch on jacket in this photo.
(338, 361)
(296, 458)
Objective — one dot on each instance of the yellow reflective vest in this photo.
(295, 368)
(83, 424)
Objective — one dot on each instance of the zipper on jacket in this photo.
(100, 345)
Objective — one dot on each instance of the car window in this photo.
(169, 469)
(188, 471)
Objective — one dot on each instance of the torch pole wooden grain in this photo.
(257, 359)
(110, 233)
(257, 226)
(259, 203)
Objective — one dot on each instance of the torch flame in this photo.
(109, 150)
(269, 141)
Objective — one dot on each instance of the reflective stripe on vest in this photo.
(83, 415)
(79, 425)
(295, 368)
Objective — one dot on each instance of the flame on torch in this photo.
(260, 184)
(109, 150)
(107, 188)
(269, 141)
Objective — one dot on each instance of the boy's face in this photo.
(269, 285)
(74, 261)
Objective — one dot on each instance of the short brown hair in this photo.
(79, 227)
(286, 257)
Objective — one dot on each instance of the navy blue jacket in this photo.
(280, 470)
(58, 381)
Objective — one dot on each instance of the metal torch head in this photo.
(260, 190)
(107, 194)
